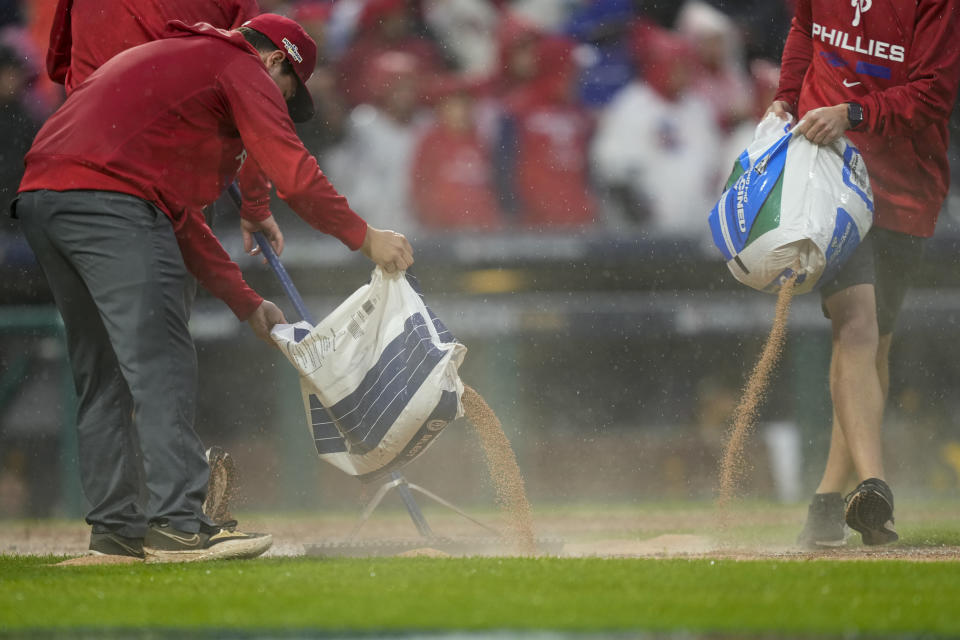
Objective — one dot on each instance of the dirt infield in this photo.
(763, 533)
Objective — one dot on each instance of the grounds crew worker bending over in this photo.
(133, 154)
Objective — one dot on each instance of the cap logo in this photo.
(292, 50)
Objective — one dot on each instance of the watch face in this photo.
(854, 113)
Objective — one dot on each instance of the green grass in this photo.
(486, 593)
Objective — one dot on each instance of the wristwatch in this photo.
(854, 114)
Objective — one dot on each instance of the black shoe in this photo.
(870, 511)
(163, 543)
(114, 544)
(220, 487)
(824, 526)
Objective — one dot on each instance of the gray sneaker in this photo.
(824, 526)
(870, 511)
(114, 544)
(163, 543)
(221, 486)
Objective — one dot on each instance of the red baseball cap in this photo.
(301, 51)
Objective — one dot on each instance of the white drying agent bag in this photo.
(791, 207)
(378, 376)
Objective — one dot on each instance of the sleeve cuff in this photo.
(791, 101)
(245, 307)
(255, 211)
(354, 234)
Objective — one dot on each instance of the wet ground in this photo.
(756, 532)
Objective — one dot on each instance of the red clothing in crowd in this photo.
(901, 61)
(552, 180)
(517, 42)
(112, 27)
(552, 137)
(171, 122)
(452, 186)
(357, 75)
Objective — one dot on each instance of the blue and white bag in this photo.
(791, 207)
(378, 376)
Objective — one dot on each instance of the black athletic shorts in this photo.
(889, 261)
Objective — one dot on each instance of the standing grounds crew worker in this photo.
(87, 33)
(134, 154)
(886, 75)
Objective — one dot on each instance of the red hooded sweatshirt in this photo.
(452, 181)
(554, 131)
(111, 26)
(901, 61)
(104, 28)
(171, 122)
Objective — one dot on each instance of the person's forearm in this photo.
(255, 190)
(270, 139)
(208, 262)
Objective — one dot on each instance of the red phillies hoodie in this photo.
(171, 122)
(900, 59)
(553, 134)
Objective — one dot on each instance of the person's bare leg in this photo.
(883, 364)
(839, 465)
(869, 509)
(855, 382)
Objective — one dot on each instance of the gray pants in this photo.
(118, 279)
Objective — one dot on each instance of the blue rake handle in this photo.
(283, 277)
(281, 272)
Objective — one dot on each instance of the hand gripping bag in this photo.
(791, 207)
(378, 376)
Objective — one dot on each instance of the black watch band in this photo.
(854, 114)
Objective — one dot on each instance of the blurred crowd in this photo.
(490, 115)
